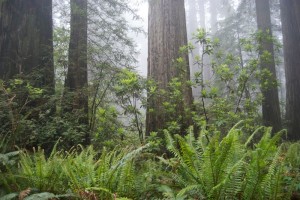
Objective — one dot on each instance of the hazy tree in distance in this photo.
(109, 49)
(213, 6)
(75, 95)
(192, 26)
(201, 5)
(196, 19)
(290, 16)
(192, 21)
(167, 33)
(270, 104)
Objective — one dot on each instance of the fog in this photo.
(141, 39)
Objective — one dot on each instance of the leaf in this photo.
(100, 189)
(41, 196)
(9, 196)
(46, 196)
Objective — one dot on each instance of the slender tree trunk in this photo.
(197, 8)
(270, 104)
(76, 96)
(290, 17)
(192, 22)
(213, 16)
(167, 33)
(192, 26)
(207, 71)
(201, 5)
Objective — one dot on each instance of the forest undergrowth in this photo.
(207, 167)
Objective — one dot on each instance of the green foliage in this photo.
(32, 115)
(291, 170)
(7, 160)
(231, 167)
(38, 196)
(228, 87)
(37, 171)
(130, 94)
(174, 108)
(26, 114)
(80, 172)
(108, 125)
(207, 167)
(221, 163)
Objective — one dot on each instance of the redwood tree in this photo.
(270, 104)
(290, 17)
(167, 33)
(75, 95)
(26, 46)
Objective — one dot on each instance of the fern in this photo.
(213, 168)
(292, 169)
(113, 172)
(271, 182)
(78, 170)
(8, 159)
(42, 173)
(227, 168)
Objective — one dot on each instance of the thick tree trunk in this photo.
(270, 104)
(167, 33)
(26, 40)
(290, 15)
(26, 45)
(76, 95)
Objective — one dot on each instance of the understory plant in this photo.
(228, 86)
(81, 173)
(231, 167)
(208, 166)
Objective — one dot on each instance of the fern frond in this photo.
(191, 188)
(252, 135)
(170, 143)
(271, 182)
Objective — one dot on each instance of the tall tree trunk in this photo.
(192, 21)
(270, 104)
(201, 5)
(207, 71)
(197, 8)
(192, 26)
(290, 17)
(213, 16)
(26, 46)
(76, 95)
(167, 33)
